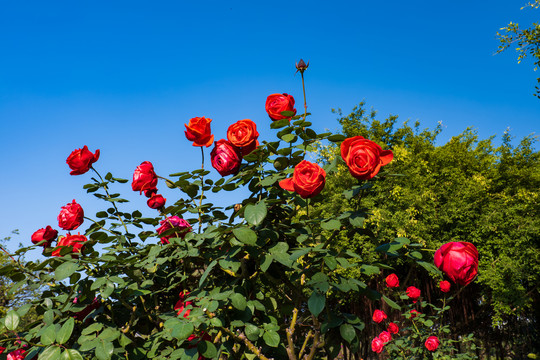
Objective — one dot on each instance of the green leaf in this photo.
(50, 353)
(207, 349)
(255, 214)
(252, 332)
(336, 138)
(271, 338)
(182, 330)
(266, 262)
(369, 269)
(331, 224)
(12, 320)
(279, 123)
(289, 138)
(71, 354)
(245, 235)
(428, 323)
(430, 267)
(207, 272)
(65, 331)
(288, 113)
(48, 336)
(391, 303)
(357, 220)
(92, 328)
(416, 255)
(347, 332)
(316, 303)
(104, 350)
(239, 301)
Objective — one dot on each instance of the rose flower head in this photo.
(458, 260)
(182, 304)
(181, 226)
(277, 103)
(377, 345)
(385, 336)
(413, 293)
(392, 281)
(156, 201)
(71, 216)
(198, 131)
(48, 235)
(226, 158)
(301, 66)
(75, 241)
(145, 179)
(364, 157)
(432, 343)
(18, 354)
(379, 316)
(414, 313)
(444, 286)
(80, 160)
(308, 180)
(392, 328)
(243, 134)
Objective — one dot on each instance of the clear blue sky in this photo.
(124, 76)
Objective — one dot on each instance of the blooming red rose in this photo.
(432, 343)
(307, 181)
(198, 131)
(156, 201)
(393, 328)
(145, 179)
(379, 316)
(80, 160)
(363, 157)
(413, 293)
(377, 345)
(277, 103)
(385, 336)
(181, 226)
(458, 260)
(392, 281)
(182, 304)
(225, 158)
(18, 354)
(444, 286)
(71, 216)
(243, 134)
(414, 313)
(75, 241)
(48, 235)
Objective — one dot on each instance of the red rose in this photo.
(377, 345)
(17, 355)
(432, 343)
(307, 181)
(156, 201)
(198, 131)
(173, 222)
(393, 328)
(181, 304)
(145, 179)
(414, 313)
(277, 103)
(385, 336)
(459, 261)
(225, 158)
(243, 134)
(379, 316)
(364, 157)
(48, 235)
(413, 293)
(2, 349)
(392, 281)
(444, 286)
(80, 160)
(71, 216)
(75, 241)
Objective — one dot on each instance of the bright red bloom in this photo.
(392, 328)
(71, 216)
(377, 345)
(444, 286)
(48, 235)
(80, 160)
(75, 241)
(379, 316)
(458, 260)
(432, 343)
(413, 293)
(392, 281)
(145, 179)
(277, 103)
(156, 201)
(198, 131)
(243, 134)
(182, 304)
(308, 180)
(364, 157)
(18, 354)
(414, 313)
(173, 222)
(226, 158)
(385, 336)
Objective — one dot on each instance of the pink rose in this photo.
(181, 226)
(432, 343)
(145, 179)
(392, 281)
(71, 216)
(48, 235)
(80, 160)
(156, 201)
(458, 260)
(379, 316)
(444, 286)
(377, 345)
(225, 158)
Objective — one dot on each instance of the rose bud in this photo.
(379, 316)
(393, 328)
(444, 286)
(277, 103)
(363, 157)
(48, 235)
(301, 66)
(308, 180)
(145, 179)
(80, 160)
(173, 222)
(75, 241)
(198, 131)
(225, 158)
(414, 313)
(71, 216)
(156, 201)
(432, 343)
(458, 260)
(243, 134)
(413, 293)
(392, 281)
(377, 345)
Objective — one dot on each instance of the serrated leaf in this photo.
(104, 350)
(271, 338)
(239, 301)
(48, 336)
(316, 303)
(65, 331)
(255, 214)
(12, 320)
(252, 332)
(331, 224)
(336, 138)
(71, 354)
(182, 330)
(391, 303)
(50, 353)
(245, 235)
(347, 332)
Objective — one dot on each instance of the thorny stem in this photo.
(202, 191)
(290, 332)
(304, 90)
(303, 348)
(242, 338)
